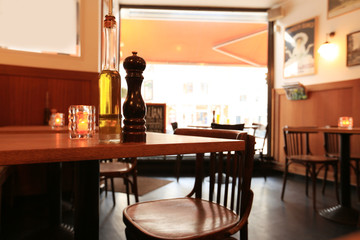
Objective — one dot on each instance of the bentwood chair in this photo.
(179, 157)
(261, 134)
(297, 151)
(228, 126)
(332, 149)
(225, 210)
(122, 168)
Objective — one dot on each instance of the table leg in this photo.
(343, 213)
(54, 193)
(87, 200)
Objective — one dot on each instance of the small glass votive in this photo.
(346, 122)
(82, 120)
(57, 120)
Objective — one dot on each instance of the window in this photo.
(205, 65)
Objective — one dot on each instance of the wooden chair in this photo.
(261, 134)
(179, 157)
(122, 168)
(332, 149)
(297, 151)
(228, 126)
(225, 211)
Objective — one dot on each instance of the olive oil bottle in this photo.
(110, 85)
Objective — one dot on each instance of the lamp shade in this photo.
(328, 51)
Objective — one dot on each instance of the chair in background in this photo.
(174, 125)
(331, 146)
(122, 168)
(228, 126)
(179, 157)
(224, 213)
(261, 134)
(297, 151)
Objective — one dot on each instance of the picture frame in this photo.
(340, 7)
(353, 49)
(299, 49)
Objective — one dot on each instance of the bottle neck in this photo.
(110, 60)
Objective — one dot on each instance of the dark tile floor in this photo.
(271, 218)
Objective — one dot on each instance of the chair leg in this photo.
(126, 182)
(335, 168)
(325, 178)
(113, 190)
(244, 232)
(134, 186)
(284, 179)
(313, 178)
(177, 166)
(307, 179)
(106, 185)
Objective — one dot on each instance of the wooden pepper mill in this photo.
(134, 109)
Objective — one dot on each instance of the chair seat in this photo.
(312, 158)
(114, 168)
(180, 218)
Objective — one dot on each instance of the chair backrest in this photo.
(229, 172)
(296, 142)
(331, 144)
(228, 126)
(174, 125)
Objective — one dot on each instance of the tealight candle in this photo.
(345, 122)
(81, 121)
(57, 120)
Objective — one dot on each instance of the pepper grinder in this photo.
(134, 109)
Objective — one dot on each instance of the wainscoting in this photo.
(325, 104)
(22, 102)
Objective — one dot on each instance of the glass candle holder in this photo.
(346, 122)
(57, 120)
(82, 120)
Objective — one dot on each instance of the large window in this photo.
(205, 65)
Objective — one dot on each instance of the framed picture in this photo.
(353, 49)
(339, 7)
(299, 49)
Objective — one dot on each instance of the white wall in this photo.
(89, 37)
(299, 10)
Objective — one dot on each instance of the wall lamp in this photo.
(328, 50)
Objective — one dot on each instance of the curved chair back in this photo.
(228, 126)
(229, 173)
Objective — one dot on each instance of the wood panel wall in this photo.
(325, 104)
(22, 102)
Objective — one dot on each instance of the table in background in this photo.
(35, 148)
(32, 129)
(343, 212)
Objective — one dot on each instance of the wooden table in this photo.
(50, 148)
(343, 212)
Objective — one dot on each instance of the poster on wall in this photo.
(353, 49)
(299, 49)
(339, 7)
